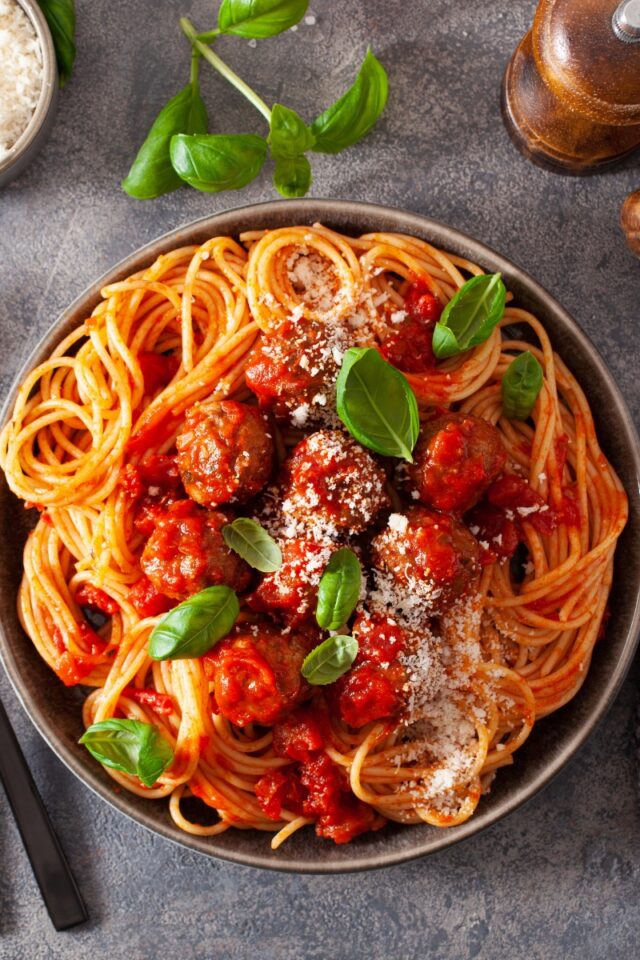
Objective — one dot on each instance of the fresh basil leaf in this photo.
(329, 660)
(289, 136)
(151, 173)
(61, 19)
(521, 384)
(252, 542)
(376, 403)
(217, 162)
(353, 115)
(471, 315)
(292, 177)
(339, 589)
(195, 625)
(258, 19)
(130, 746)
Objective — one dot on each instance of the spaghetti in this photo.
(475, 673)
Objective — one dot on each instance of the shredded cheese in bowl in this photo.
(21, 73)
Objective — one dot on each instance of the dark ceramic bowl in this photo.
(55, 709)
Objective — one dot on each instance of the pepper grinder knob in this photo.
(626, 21)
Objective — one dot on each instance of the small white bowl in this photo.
(37, 130)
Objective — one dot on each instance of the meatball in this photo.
(293, 371)
(293, 589)
(380, 639)
(186, 553)
(225, 452)
(333, 484)
(369, 692)
(256, 673)
(373, 688)
(279, 371)
(425, 556)
(456, 459)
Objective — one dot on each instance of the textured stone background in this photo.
(561, 877)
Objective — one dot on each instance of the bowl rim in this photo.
(48, 89)
(449, 238)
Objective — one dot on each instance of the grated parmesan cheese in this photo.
(21, 74)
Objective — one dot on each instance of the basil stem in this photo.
(252, 542)
(215, 162)
(258, 19)
(329, 660)
(130, 746)
(218, 64)
(353, 115)
(521, 384)
(471, 315)
(376, 403)
(196, 625)
(61, 19)
(152, 173)
(339, 589)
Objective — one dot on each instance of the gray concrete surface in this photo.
(561, 877)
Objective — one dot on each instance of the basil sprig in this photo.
(471, 315)
(339, 589)
(257, 19)
(353, 115)
(376, 403)
(61, 19)
(521, 384)
(152, 172)
(130, 746)
(213, 162)
(196, 625)
(179, 150)
(252, 542)
(329, 660)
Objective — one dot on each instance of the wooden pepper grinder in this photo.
(571, 91)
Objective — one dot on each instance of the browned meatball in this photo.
(186, 553)
(292, 590)
(292, 372)
(456, 459)
(427, 555)
(256, 673)
(225, 452)
(333, 485)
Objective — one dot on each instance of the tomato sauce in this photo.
(160, 703)
(521, 502)
(73, 669)
(298, 736)
(152, 435)
(497, 535)
(279, 790)
(319, 790)
(408, 344)
(147, 600)
(158, 369)
(89, 596)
